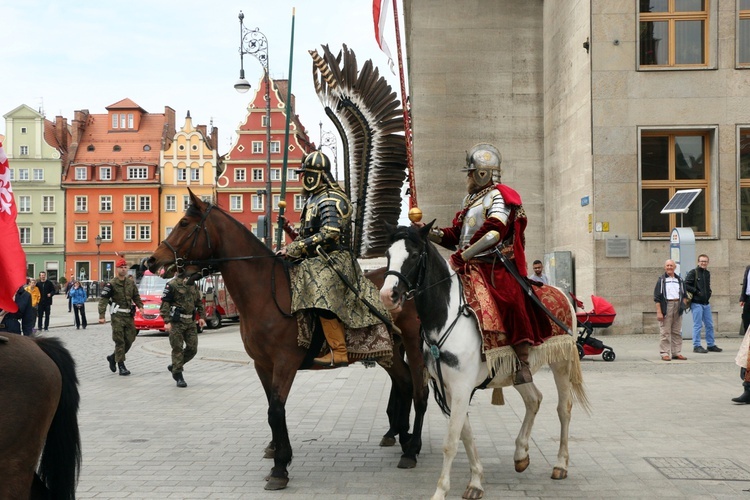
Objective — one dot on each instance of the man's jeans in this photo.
(701, 315)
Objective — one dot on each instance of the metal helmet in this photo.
(483, 160)
(316, 167)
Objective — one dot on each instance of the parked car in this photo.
(217, 302)
(151, 288)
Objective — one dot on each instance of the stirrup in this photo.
(523, 374)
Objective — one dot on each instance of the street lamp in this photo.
(255, 43)
(98, 241)
(329, 139)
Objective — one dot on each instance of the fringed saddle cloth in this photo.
(496, 350)
(372, 343)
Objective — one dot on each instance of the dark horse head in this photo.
(195, 241)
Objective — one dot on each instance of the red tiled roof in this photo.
(131, 142)
(125, 104)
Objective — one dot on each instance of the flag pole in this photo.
(289, 112)
(407, 118)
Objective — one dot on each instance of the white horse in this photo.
(453, 356)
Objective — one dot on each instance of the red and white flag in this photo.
(379, 13)
(12, 256)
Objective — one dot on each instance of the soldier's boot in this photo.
(169, 368)
(334, 332)
(179, 379)
(523, 370)
(745, 397)
(123, 370)
(111, 360)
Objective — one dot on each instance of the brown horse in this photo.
(259, 283)
(39, 400)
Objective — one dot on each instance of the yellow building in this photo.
(189, 162)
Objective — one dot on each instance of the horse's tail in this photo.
(61, 459)
(576, 381)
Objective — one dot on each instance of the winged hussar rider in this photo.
(492, 207)
(316, 286)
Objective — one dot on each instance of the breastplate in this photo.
(311, 217)
(475, 217)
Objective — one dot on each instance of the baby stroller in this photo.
(601, 316)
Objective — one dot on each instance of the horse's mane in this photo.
(194, 211)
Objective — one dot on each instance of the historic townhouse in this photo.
(242, 182)
(112, 187)
(190, 161)
(36, 149)
(602, 110)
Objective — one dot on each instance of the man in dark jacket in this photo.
(21, 321)
(698, 282)
(669, 295)
(745, 300)
(47, 290)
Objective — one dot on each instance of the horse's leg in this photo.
(420, 392)
(561, 372)
(277, 386)
(392, 410)
(532, 399)
(265, 380)
(474, 489)
(458, 396)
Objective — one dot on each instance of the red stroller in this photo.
(601, 316)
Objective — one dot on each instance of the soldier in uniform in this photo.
(492, 206)
(316, 287)
(179, 302)
(122, 293)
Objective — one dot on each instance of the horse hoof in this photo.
(558, 473)
(522, 465)
(276, 483)
(388, 441)
(407, 463)
(473, 493)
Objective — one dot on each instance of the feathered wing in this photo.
(369, 119)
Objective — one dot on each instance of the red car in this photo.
(151, 289)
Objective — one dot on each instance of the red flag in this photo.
(379, 13)
(12, 256)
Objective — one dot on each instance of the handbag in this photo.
(688, 300)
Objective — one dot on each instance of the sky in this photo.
(64, 56)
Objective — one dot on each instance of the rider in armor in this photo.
(493, 220)
(322, 255)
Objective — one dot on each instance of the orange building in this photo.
(112, 187)
(241, 185)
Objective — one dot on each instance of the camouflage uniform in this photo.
(122, 294)
(178, 305)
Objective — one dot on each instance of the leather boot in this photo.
(169, 368)
(111, 361)
(745, 397)
(334, 332)
(123, 370)
(523, 370)
(179, 379)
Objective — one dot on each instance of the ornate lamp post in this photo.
(98, 241)
(255, 43)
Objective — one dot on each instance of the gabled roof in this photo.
(131, 142)
(125, 104)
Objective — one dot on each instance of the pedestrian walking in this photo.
(78, 298)
(47, 290)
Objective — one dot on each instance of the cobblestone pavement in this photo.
(657, 429)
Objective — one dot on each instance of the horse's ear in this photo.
(425, 230)
(194, 199)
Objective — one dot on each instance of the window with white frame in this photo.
(144, 203)
(181, 174)
(48, 235)
(170, 203)
(105, 231)
(673, 33)
(105, 203)
(672, 160)
(168, 231)
(130, 233)
(235, 203)
(82, 233)
(137, 172)
(24, 204)
(130, 120)
(24, 234)
(256, 203)
(23, 174)
(743, 34)
(115, 120)
(185, 202)
(81, 174)
(123, 122)
(275, 146)
(257, 147)
(24, 150)
(299, 202)
(105, 173)
(276, 199)
(48, 204)
(38, 174)
(82, 203)
(240, 175)
(275, 174)
(205, 198)
(144, 232)
(195, 174)
(129, 203)
(257, 175)
(12, 174)
(264, 121)
(291, 174)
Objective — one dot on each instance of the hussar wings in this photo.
(369, 119)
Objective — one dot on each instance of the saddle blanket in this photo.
(496, 350)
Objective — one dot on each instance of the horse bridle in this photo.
(181, 262)
(421, 267)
